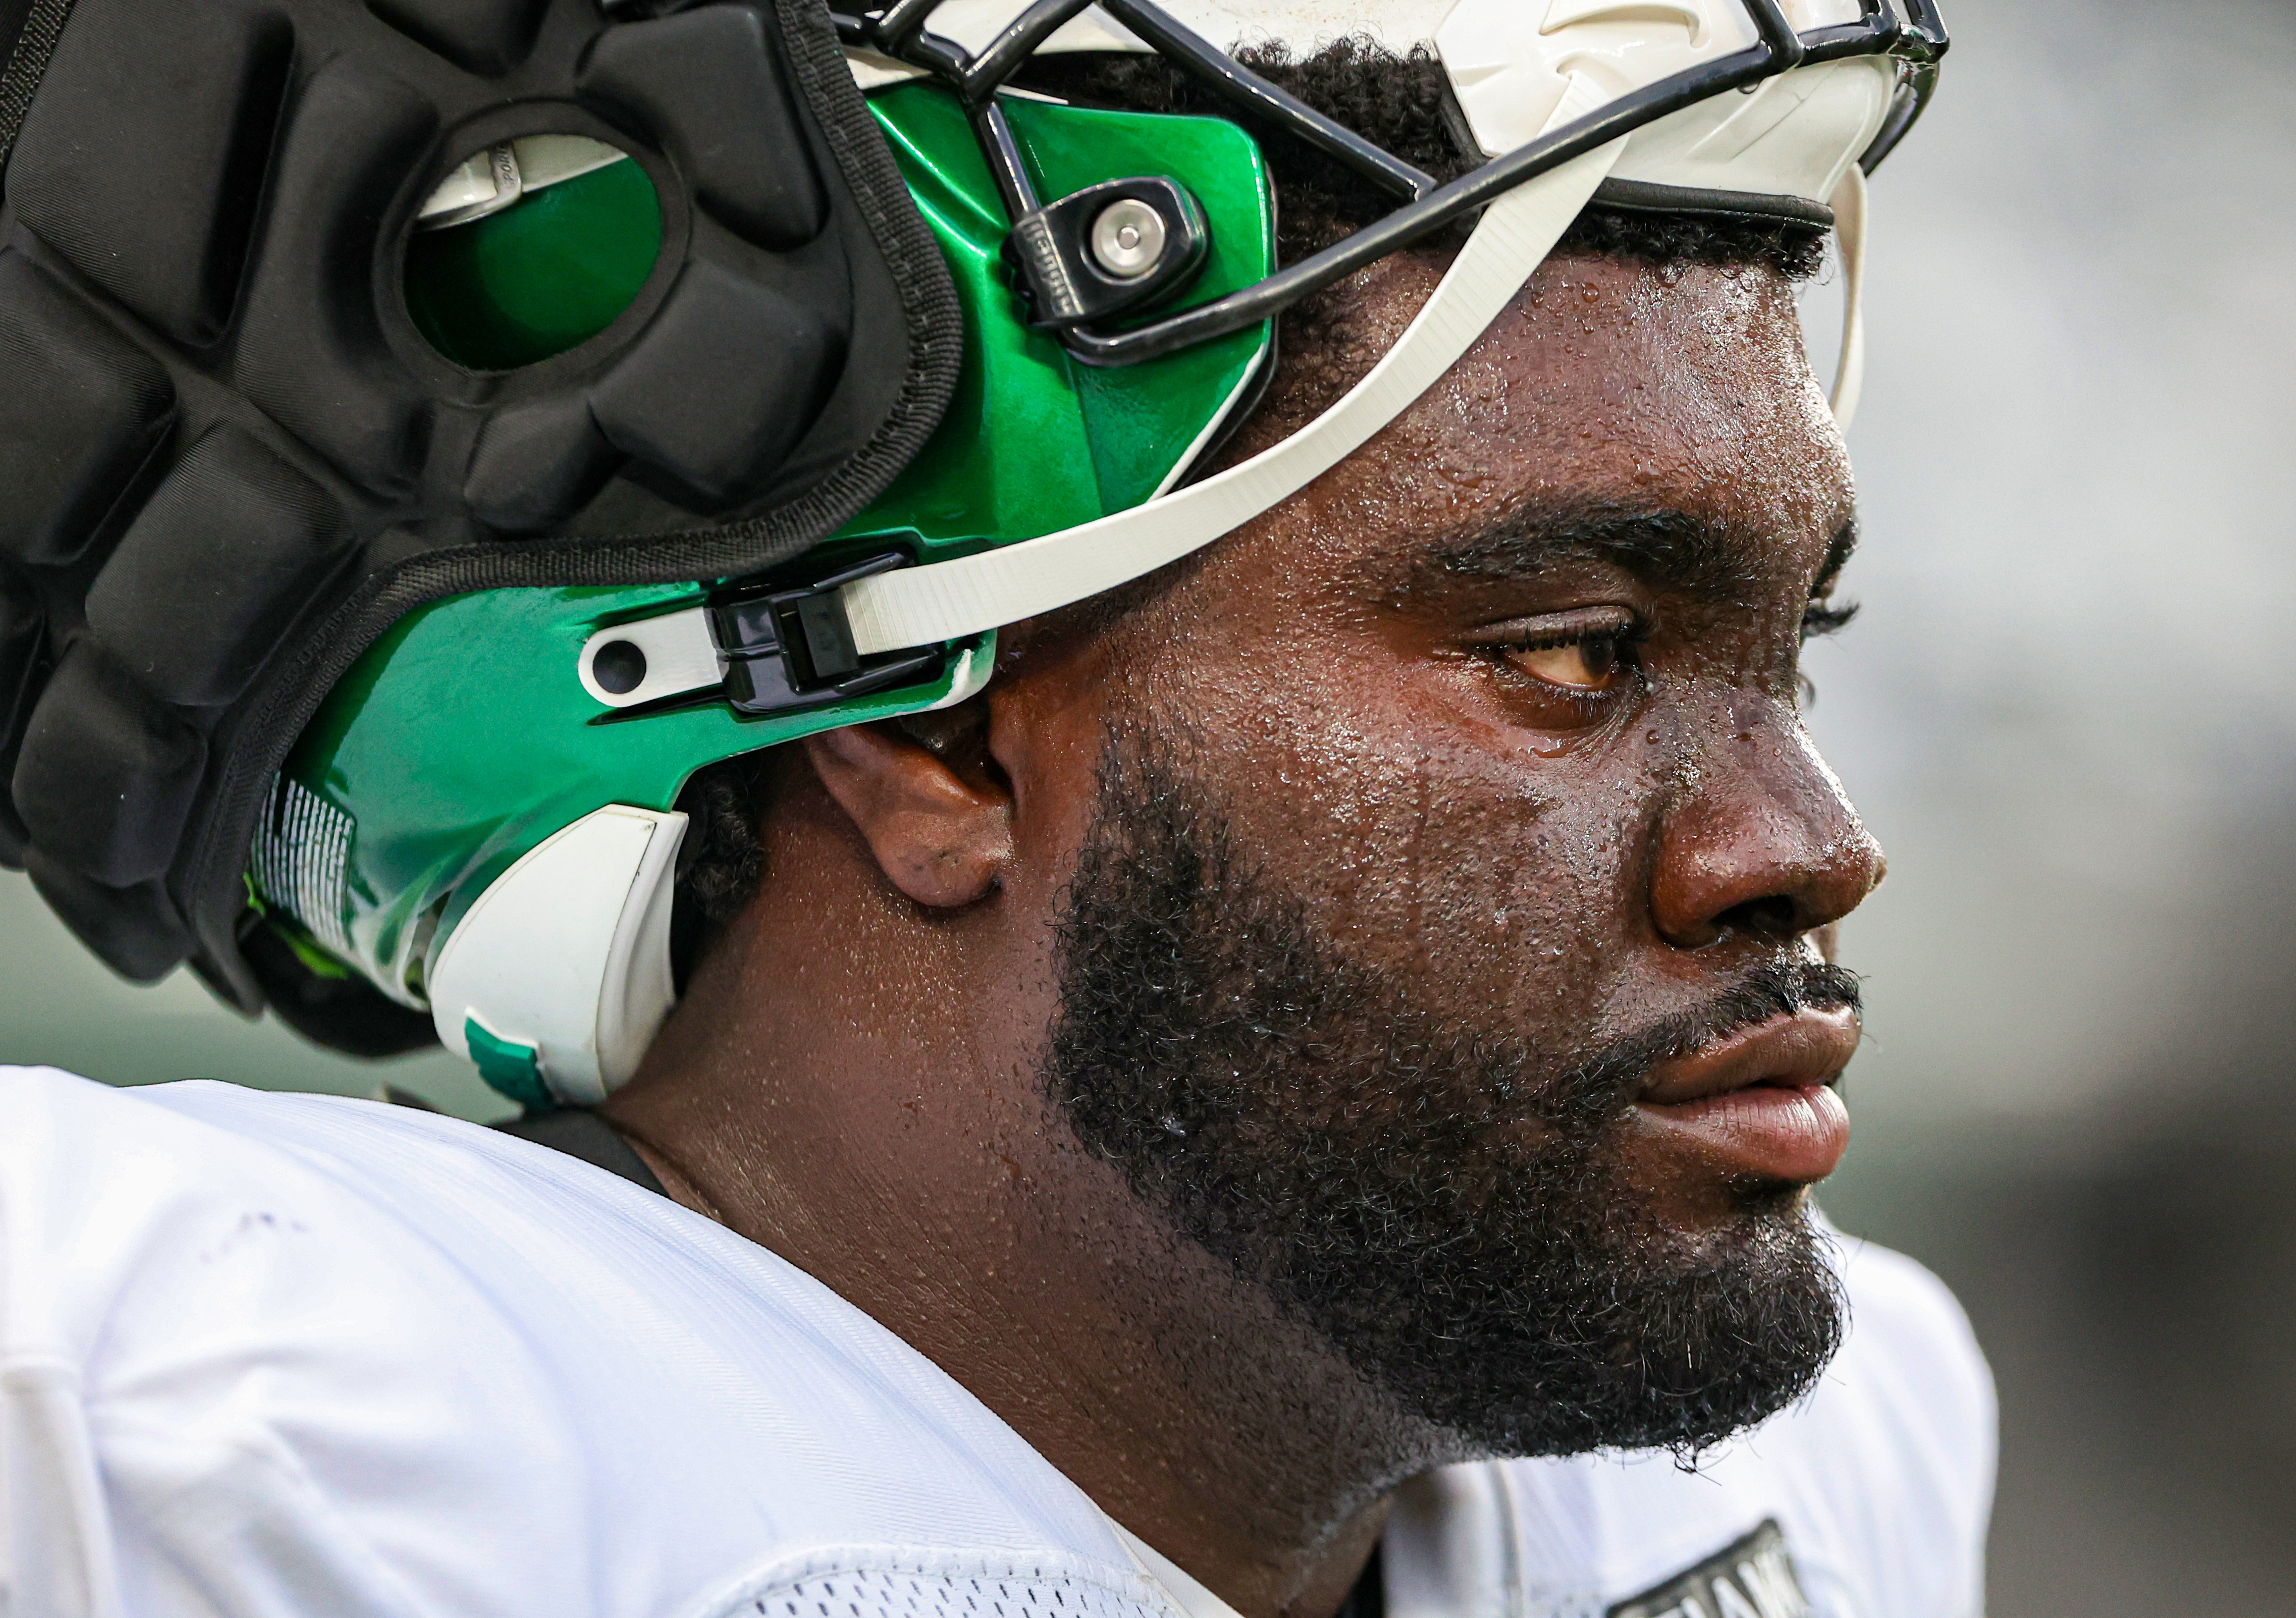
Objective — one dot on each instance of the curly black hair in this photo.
(720, 862)
(1400, 102)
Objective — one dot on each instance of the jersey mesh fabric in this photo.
(888, 1593)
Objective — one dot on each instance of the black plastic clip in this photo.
(1107, 249)
(787, 649)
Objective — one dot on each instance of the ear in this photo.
(936, 813)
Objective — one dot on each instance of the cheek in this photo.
(1495, 886)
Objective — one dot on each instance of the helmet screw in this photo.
(1128, 239)
(619, 667)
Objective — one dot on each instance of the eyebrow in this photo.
(1664, 546)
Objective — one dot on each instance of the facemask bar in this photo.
(1916, 38)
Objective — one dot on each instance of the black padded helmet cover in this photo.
(228, 461)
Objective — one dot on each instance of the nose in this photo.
(1765, 844)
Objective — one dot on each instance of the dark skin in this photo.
(1524, 672)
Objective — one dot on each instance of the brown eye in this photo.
(1591, 665)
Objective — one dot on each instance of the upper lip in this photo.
(1794, 1050)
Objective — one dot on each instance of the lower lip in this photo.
(1771, 1130)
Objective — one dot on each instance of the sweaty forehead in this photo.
(1604, 385)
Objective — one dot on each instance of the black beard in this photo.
(1443, 1206)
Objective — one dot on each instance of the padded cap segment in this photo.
(319, 364)
(210, 368)
(133, 930)
(143, 158)
(107, 774)
(216, 564)
(723, 386)
(536, 460)
(81, 409)
(709, 84)
(490, 37)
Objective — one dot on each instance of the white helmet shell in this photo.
(1521, 70)
(1522, 67)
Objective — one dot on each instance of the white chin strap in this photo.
(1849, 233)
(919, 606)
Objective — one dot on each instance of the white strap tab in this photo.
(649, 660)
(919, 606)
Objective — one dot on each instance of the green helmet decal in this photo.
(1034, 441)
(466, 738)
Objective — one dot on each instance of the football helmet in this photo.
(438, 427)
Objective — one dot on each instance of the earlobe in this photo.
(942, 833)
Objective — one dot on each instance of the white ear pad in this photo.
(566, 957)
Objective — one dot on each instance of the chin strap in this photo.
(919, 606)
(1849, 230)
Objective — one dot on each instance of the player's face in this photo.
(1441, 946)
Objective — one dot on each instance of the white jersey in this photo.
(269, 1356)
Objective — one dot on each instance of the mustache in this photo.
(1604, 1080)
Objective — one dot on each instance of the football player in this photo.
(1097, 708)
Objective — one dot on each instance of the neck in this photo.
(961, 1216)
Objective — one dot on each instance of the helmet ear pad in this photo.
(230, 461)
(555, 980)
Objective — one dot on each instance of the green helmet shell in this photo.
(465, 739)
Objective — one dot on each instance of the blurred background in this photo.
(2067, 710)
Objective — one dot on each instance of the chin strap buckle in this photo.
(788, 647)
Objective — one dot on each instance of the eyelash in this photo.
(1819, 618)
(1625, 638)
(1822, 618)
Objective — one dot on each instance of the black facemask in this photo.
(1445, 1209)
